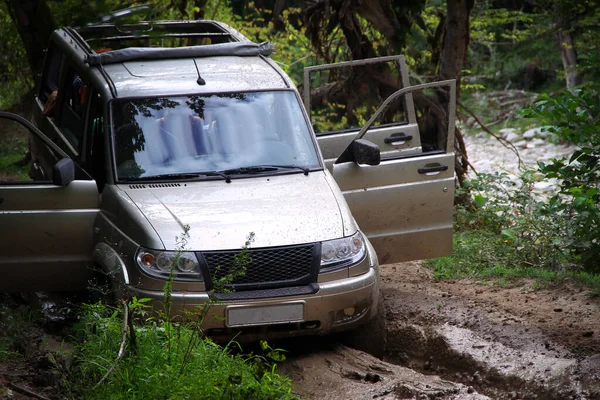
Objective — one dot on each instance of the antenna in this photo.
(200, 81)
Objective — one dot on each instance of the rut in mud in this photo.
(443, 340)
(464, 339)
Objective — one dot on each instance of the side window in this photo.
(17, 165)
(51, 74)
(73, 108)
(95, 154)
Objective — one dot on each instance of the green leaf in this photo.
(508, 234)
(480, 200)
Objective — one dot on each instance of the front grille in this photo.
(268, 268)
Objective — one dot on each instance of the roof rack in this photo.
(164, 39)
(242, 49)
(147, 33)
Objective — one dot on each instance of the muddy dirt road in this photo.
(443, 340)
(463, 340)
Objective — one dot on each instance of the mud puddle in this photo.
(463, 340)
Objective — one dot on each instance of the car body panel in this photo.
(405, 211)
(50, 235)
(179, 76)
(221, 215)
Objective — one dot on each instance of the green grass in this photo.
(481, 254)
(168, 362)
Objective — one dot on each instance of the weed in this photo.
(169, 359)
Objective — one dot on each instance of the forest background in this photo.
(539, 57)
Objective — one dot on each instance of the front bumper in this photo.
(337, 305)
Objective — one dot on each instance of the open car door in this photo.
(46, 222)
(404, 204)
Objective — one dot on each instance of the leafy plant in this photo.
(573, 116)
(169, 359)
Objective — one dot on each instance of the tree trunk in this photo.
(568, 56)
(454, 50)
(35, 23)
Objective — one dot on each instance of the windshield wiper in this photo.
(181, 176)
(164, 176)
(254, 169)
(218, 173)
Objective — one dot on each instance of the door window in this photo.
(17, 165)
(50, 76)
(73, 108)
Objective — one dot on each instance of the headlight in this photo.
(342, 252)
(159, 264)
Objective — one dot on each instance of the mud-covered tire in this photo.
(370, 337)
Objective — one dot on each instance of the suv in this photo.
(148, 159)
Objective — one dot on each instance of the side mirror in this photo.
(361, 151)
(63, 172)
(366, 152)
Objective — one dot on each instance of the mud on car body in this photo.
(213, 139)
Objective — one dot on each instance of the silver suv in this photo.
(163, 146)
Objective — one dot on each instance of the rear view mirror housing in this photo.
(366, 152)
(63, 172)
(361, 151)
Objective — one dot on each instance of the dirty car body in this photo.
(181, 154)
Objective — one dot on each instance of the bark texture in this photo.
(569, 57)
(35, 23)
(456, 41)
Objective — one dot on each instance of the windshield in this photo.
(202, 133)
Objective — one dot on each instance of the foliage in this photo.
(15, 78)
(168, 359)
(573, 116)
(526, 233)
(204, 370)
(509, 227)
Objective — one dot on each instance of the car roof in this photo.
(178, 76)
(134, 61)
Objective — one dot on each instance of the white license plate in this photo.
(264, 315)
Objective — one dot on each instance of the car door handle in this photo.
(394, 139)
(434, 168)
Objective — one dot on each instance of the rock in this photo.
(522, 144)
(543, 186)
(531, 133)
(512, 136)
(507, 131)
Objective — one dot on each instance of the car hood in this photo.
(280, 210)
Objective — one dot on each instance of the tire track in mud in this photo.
(465, 339)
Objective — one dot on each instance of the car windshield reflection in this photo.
(182, 135)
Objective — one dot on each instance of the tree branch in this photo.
(502, 141)
(121, 348)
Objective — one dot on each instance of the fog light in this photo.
(349, 311)
(350, 314)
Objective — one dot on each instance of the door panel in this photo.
(392, 141)
(45, 229)
(405, 214)
(46, 235)
(403, 205)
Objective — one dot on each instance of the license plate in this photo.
(264, 315)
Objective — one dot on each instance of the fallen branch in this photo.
(122, 348)
(26, 391)
(502, 141)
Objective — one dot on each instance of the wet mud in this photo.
(463, 339)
